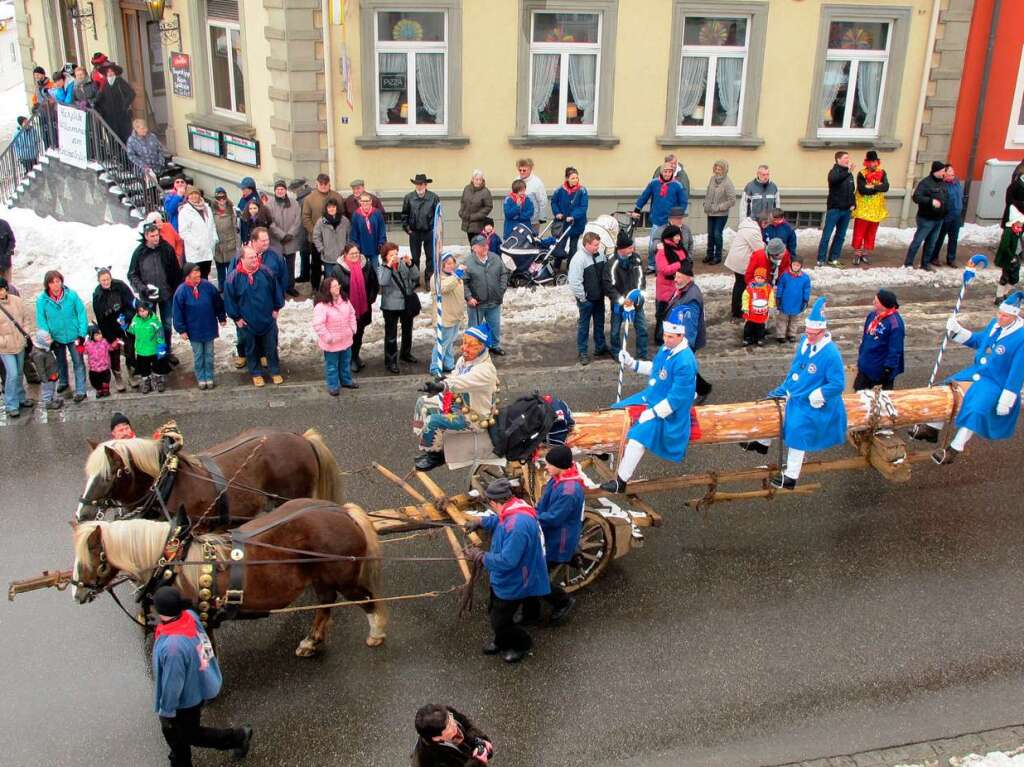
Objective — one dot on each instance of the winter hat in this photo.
(98, 58)
(1012, 304)
(670, 231)
(117, 419)
(677, 212)
(247, 183)
(559, 456)
(356, 182)
(816, 319)
(675, 322)
(775, 247)
(39, 71)
(499, 490)
(168, 602)
(624, 240)
(478, 239)
(42, 339)
(795, 259)
(937, 165)
(297, 184)
(761, 272)
(446, 255)
(220, 190)
(280, 183)
(888, 299)
(156, 217)
(481, 333)
(871, 156)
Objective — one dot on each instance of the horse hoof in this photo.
(374, 641)
(306, 649)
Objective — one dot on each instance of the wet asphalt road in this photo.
(863, 616)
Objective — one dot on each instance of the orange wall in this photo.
(999, 97)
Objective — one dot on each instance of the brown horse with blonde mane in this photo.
(220, 488)
(304, 542)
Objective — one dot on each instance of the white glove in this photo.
(627, 360)
(1005, 404)
(816, 398)
(153, 292)
(952, 326)
(647, 415)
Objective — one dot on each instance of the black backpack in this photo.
(521, 427)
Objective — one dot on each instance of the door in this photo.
(144, 65)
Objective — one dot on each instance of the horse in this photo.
(230, 483)
(332, 547)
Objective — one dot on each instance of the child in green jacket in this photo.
(151, 363)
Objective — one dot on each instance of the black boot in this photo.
(945, 456)
(558, 616)
(755, 447)
(925, 433)
(614, 486)
(428, 460)
(782, 482)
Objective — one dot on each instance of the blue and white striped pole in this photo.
(635, 297)
(976, 262)
(438, 245)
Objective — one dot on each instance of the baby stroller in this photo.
(534, 255)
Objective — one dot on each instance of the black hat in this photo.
(38, 71)
(168, 602)
(686, 267)
(676, 212)
(624, 240)
(499, 490)
(670, 231)
(887, 299)
(871, 156)
(118, 418)
(421, 178)
(937, 165)
(559, 456)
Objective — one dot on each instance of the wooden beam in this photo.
(392, 477)
(654, 518)
(725, 497)
(450, 506)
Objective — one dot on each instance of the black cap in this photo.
(168, 602)
(499, 490)
(887, 299)
(560, 457)
(39, 71)
(118, 418)
(938, 165)
(624, 240)
(871, 156)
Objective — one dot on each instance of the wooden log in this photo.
(605, 430)
(450, 506)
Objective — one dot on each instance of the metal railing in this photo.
(107, 155)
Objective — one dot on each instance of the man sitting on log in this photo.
(461, 402)
(815, 417)
(664, 423)
(992, 404)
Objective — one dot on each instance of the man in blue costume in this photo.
(815, 416)
(992, 404)
(664, 425)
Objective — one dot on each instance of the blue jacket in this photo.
(820, 367)
(672, 387)
(185, 670)
(198, 316)
(560, 513)
(955, 195)
(574, 205)
(172, 202)
(64, 95)
(675, 197)
(64, 320)
(273, 261)
(494, 243)
(883, 349)
(517, 214)
(515, 562)
(998, 366)
(792, 292)
(253, 303)
(784, 232)
(369, 240)
(26, 145)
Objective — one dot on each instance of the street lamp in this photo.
(85, 20)
(170, 31)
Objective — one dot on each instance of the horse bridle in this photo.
(128, 509)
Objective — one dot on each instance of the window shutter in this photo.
(222, 9)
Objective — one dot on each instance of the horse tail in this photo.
(328, 482)
(370, 574)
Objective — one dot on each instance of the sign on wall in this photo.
(181, 74)
(71, 136)
(242, 150)
(204, 140)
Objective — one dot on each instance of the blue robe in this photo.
(673, 379)
(818, 367)
(998, 365)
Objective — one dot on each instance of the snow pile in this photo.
(992, 759)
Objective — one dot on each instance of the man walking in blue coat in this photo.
(515, 564)
(880, 358)
(187, 675)
(664, 424)
(560, 513)
(252, 298)
(992, 404)
(813, 389)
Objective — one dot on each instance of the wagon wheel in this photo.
(592, 557)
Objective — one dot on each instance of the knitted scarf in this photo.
(357, 290)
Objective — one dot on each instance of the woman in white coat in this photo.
(198, 231)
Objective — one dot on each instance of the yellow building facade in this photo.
(382, 90)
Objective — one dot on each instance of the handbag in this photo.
(29, 370)
(412, 301)
(20, 329)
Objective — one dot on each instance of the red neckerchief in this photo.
(664, 186)
(246, 272)
(570, 189)
(366, 218)
(518, 199)
(195, 288)
(873, 173)
(572, 474)
(185, 626)
(515, 506)
(873, 326)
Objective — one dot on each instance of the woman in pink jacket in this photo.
(334, 320)
(668, 260)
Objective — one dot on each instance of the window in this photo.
(1015, 135)
(853, 81)
(565, 57)
(711, 76)
(412, 71)
(227, 62)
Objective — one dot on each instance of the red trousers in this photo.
(864, 234)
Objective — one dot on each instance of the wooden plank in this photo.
(451, 508)
(725, 497)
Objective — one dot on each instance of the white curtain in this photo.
(729, 79)
(869, 88)
(583, 81)
(391, 64)
(430, 83)
(545, 74)
(831, 82)
(693, 80)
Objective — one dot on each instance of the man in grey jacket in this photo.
(760, 194)
(586, 281)
(484, 284)
(285, 226)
